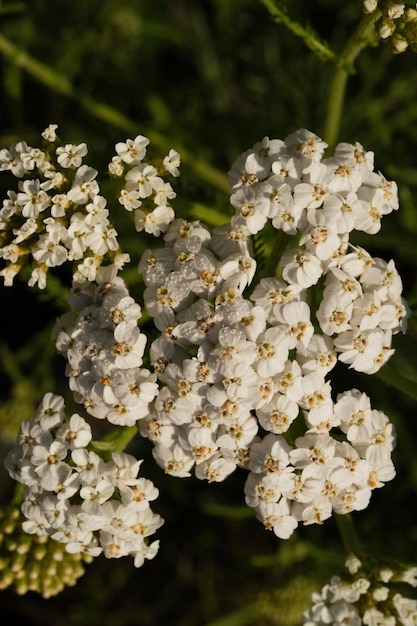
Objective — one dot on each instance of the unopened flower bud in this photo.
(398, 43)
(32, 562)
(410, 15)
(409, 28)
(385, 28)
(392, 10)
(385, 574)
(369, 6)
(353, 564)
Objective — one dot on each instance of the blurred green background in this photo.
(209, 78)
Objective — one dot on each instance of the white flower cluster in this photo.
(372, 598)
(74, 496)
(242, 362)
(58, 214)
(104, 348)
(145, 193)
(237, 371)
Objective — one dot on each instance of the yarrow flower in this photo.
(76, 498)
(370, 593)
(243, 368)
(58, 213)
(238, 373)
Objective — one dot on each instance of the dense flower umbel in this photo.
(58, 214)
(240, 372)
(104, 348)
(373, 595)
(73, 496)
(236, 371)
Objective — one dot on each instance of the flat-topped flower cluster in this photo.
(74, 496)
(58, 214)
(236, 371)
(373, 595)
(239, 375)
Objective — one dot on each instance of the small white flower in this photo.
(132, 151)
(172, 162)
(49, 134)
(71, 155)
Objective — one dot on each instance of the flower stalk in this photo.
(344, 68)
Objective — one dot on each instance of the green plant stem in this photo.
(310, 38)
(348, 534)
(361, 38)
(102, 111)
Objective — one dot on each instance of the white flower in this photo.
(143, 178)
(32, 198)
(271, 292)
(130, 199)
(304, 143)
(354, 411)
(99, 491)
(301, 267)
(286, 215)
(272, 352)
(172, 162)
(270, 455)
(84, 187)
(155, 222)
(252, 207)
(276, 516)
(321, 237)
(215, 469)
(71, 155)
(129, 346)
(278, 414)
(49, 134)
(10, 160)
(132, 151)
(48, 459)
(76, 433)
(51, 411)
(298, 327)
(319, 355)
(175, 460)
(334, 312)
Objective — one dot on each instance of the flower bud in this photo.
(385, 28)
(398, 43)
(369, 6)
(32, 562)
(392, 10)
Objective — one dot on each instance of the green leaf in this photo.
(226, 511)
(115, 441)
(393, 377)
(306, 33)
(206, 214)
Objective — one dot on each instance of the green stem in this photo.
(361, 38)
(348, 534)
(53, 80)
(306, 33)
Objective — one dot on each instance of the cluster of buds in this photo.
(374, 595)
(397, 23)
(34, 562)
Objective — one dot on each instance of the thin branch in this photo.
(306, 33)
